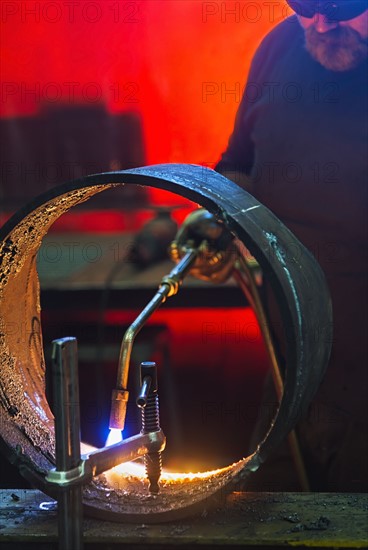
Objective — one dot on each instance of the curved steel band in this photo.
(296, 278)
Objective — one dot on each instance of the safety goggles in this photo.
(333, 10)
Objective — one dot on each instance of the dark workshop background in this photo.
(92, 86)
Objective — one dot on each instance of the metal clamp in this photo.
(67, 478)
(97, 462)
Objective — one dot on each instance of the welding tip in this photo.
(119, 402)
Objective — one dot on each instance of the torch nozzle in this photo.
(119, 402)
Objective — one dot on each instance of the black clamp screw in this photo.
(147, 401)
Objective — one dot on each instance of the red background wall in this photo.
(181, 64)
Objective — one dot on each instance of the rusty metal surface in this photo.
(27, 435)
(249, 520)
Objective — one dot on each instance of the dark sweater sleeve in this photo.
(239, 155)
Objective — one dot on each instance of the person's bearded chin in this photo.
(340, 49)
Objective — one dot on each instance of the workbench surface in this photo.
(28, 519)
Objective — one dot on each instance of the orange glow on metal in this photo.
(137, 470)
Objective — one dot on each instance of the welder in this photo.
(299, 145)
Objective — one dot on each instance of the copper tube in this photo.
(169, 287)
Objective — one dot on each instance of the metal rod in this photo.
(143, 394)
(169, 286)
(67, 439)
(133, 330)
(250, 290)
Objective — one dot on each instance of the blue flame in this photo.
(115, 436)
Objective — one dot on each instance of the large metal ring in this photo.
(27, 431)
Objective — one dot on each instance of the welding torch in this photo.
(201, 248)
(169, 287)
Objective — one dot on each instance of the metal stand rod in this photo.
(67, 440)
(249, 288)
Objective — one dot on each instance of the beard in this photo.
(340, 49)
